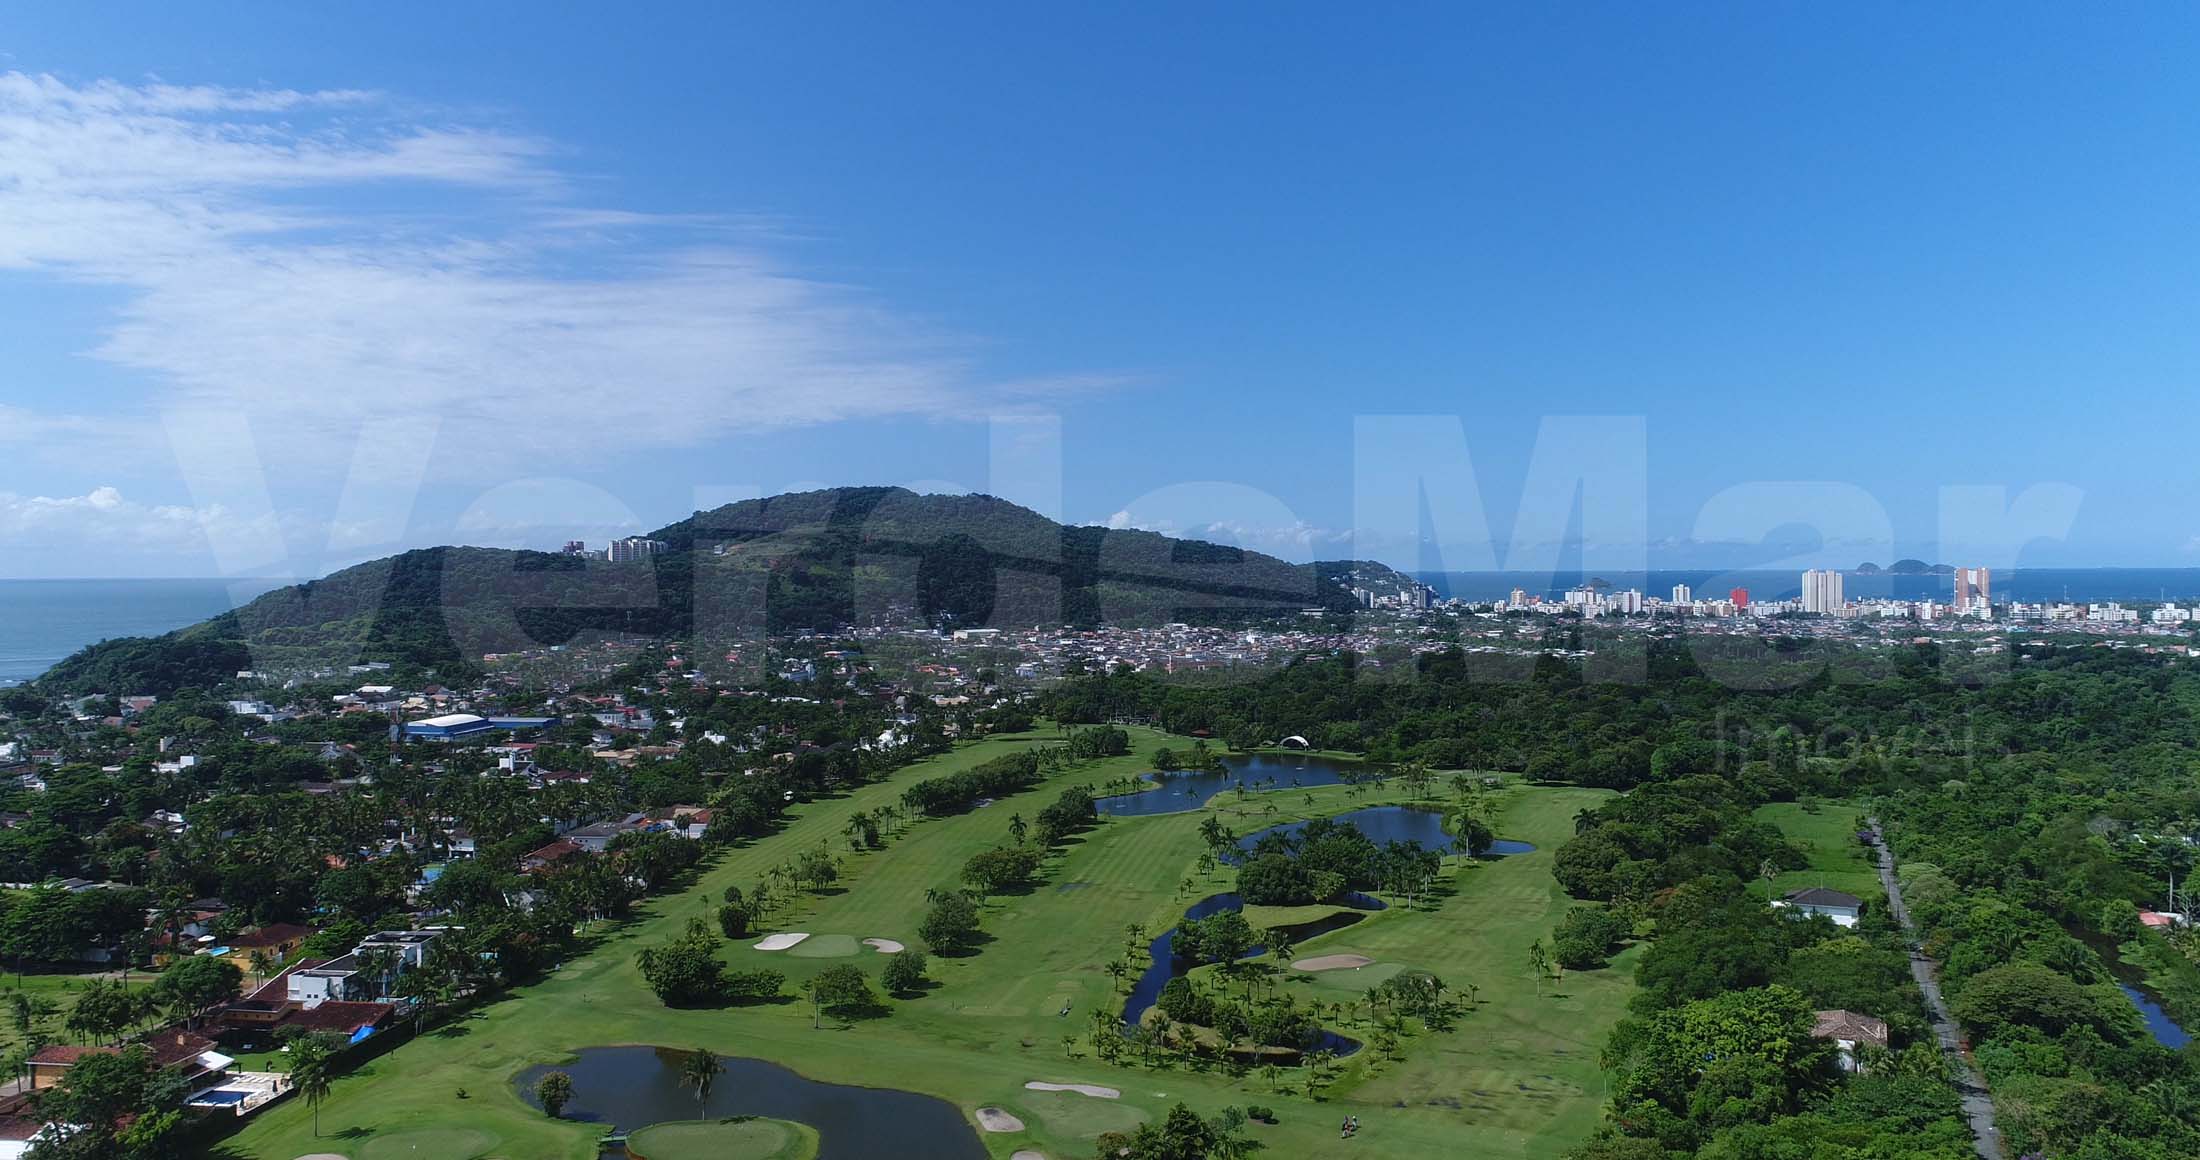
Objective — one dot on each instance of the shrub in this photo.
(753, 985)
(904, 972)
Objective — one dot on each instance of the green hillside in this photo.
(811, 560)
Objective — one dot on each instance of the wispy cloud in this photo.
(320, 260)
(1291, 540)
(104, 517)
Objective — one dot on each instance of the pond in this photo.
(2164, 1029)
(1176, 792)
(1169, 965)
(1381, 824)
(632, 1087)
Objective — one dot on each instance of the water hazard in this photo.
(1261, 773)
(633, 1087)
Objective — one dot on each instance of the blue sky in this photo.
(282, 288)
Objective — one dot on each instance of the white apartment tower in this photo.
(1974, 591)
(633, 548)
(1822, 591)
(1681, 594)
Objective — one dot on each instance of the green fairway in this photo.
(1827, 833)
(1515, 1078)
(429, 1144)
(722, 1140)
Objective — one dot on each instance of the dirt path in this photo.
(1978, 1103)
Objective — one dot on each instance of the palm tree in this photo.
(699, 1070)
(309, 1074)
(1317, 1069)
(1116, 970)
(379, 965)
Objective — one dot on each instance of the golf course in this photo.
(1514, 1076)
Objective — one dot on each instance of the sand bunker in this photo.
(884, 946)
(1084, 1089)
(996, 1120)
(330, 1156)
(1027, 1154)
(780, 942)
(1332, 963)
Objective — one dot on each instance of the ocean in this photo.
(2025, 585)
(42, 621)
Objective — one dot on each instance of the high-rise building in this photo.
(632, 548)
(1974, 592)
(1739, 598)
(575, 548)
(1681, 594)
(1519, 598)
(1822, 591)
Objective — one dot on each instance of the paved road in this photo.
(1978, 1103)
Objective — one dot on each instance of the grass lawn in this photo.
(60, 990)
(723, 1140)
(1516, 1078)
(1827, 832)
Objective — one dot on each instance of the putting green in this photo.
(722, 1140)
(429, 1144)
(1357, 980)
(826, 946)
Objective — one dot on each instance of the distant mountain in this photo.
(810, 560)
(1919, 568)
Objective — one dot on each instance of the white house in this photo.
(1843, 909)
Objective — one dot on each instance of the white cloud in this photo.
(276, 262)
(104, 517)
(1293, 540)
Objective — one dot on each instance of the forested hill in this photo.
(810, 560)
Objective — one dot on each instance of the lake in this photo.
(1177, 792)
(632, 1087)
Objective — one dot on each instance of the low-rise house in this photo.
(251, 1022)
(187, 1055)
(1850, 1032)
(1843, 909)
(277, 940)
(550, 855)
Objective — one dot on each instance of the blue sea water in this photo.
(43, 621)
(2029, 585)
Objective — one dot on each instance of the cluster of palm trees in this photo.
(1164, 1039)
(812, 870)
(868, 829)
